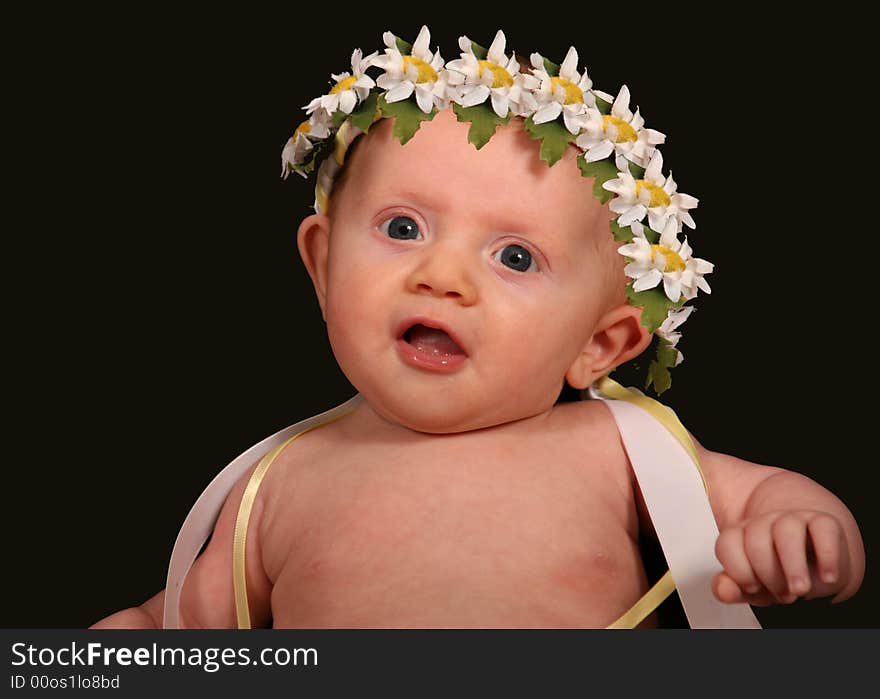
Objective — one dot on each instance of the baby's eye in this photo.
(516, 257)
(401, 228)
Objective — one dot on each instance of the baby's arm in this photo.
(782, 535)
(147, 616)
(207, 600)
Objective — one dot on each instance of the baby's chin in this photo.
(441, 416)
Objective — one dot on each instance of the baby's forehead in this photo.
(505, 179)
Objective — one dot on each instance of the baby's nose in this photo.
(443, 274)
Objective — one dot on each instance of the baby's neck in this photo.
(366, 421)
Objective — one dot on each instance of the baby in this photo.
(462, 289)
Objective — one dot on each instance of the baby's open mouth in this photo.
(432, 341)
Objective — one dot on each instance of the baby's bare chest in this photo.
(467, 534)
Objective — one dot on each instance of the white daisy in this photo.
(442, 91)
(668, 329)
(620, 132)
(603, 95)
(669, 261)
(298, 146)
(626, 204)
(654, 195)
(418, 71)
(350, 88)
(567, 94)
(496, 78)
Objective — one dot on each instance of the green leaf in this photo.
(318, 155)
(651, 235)
(636, 171)
(479, 51)
(659, 376)
(551, 67)
(603, 106)
(364, 116)
(483, 121)
(407, 117)
(666, 353)
(404, 47)
(602, 170)
(338, 117)
(554, 139)
(622, 234)
(654, 304)
(658, 372)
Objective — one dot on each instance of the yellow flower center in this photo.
(625, 132)
(425, 72)
(573, 94)
(658, 196)
(674, 263)
(343, 85)
(500, 77)
(302, 128)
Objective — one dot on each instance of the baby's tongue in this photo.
(432, 341)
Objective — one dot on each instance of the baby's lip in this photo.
(430, 323)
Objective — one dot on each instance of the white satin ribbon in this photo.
(200, 521)
(681, 514)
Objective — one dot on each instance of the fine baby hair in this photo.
(559, 107)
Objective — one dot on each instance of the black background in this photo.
(160, 320)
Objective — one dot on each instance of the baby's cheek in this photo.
(359, 317)
(533, 356)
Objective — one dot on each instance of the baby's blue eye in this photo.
(516, 257)
(403, 228)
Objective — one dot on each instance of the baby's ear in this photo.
(618, 337)
(313, 240)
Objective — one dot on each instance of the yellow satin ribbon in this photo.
(345, 136)
(239, 537)
(321, 199)
(648, 602)
(629, 620)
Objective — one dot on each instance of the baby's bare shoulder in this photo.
(590, 421)
(595, 444)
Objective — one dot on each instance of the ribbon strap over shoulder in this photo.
(667, 468)
(200, 521)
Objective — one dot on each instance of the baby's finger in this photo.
(726, 590)
(731, 554)
(827, 538)
(790, 540)
(758, 544)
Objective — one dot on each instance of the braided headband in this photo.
(486, 88)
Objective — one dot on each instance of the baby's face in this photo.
(513, 258)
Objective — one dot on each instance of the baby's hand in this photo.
(780, 556)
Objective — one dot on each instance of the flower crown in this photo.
(487, 88)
